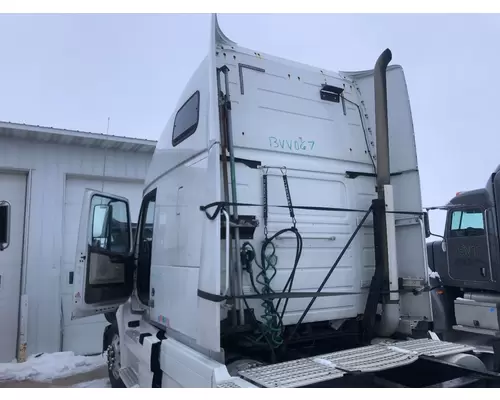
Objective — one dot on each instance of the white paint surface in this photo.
(48, 259)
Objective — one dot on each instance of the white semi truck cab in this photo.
(280, 241)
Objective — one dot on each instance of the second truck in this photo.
(466, 261)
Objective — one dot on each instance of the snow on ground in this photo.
(98, 383)
(46, 367)
(433, 274)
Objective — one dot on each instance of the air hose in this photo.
(272, 326)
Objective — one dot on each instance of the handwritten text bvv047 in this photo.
(298, 145)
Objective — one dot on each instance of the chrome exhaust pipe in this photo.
(381, 121)
(390, 312)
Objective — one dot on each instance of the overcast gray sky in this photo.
(75, 71)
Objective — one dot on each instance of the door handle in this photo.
(71, 276)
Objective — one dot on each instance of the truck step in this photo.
(477, 331)
(434, 348)
(378, 357)
(234, 383)
(291, 374)
(129, 377)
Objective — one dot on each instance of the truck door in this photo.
(104, 265)
(467, 245)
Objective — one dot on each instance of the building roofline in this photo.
(73, 137)
(75, 133)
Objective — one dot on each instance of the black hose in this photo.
(273, 329)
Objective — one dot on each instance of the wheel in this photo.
(114, 364)
(110, 317)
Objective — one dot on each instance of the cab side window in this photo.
(467, 223)
(145, 245)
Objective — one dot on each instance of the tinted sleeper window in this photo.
(186, 119)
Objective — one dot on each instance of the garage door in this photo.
(12, 189)
(84, 336)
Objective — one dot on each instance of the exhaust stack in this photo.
(387, 229)
(381, 122)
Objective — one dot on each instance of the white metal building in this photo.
(43, 174)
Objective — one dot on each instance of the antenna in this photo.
(107, 129)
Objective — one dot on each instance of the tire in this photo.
(113, 353)
(110, 317)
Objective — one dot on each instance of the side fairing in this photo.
(186, 174)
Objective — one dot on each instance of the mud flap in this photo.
(155, 361)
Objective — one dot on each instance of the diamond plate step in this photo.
(129, 377)
(228, 384)
(234, 383)
(291, 374)
(377, 357)
(370, 358)
(307, 371)
(435, 348)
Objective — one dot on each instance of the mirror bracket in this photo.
(427, 225)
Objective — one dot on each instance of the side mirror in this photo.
(427, 226)
(4, 225)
